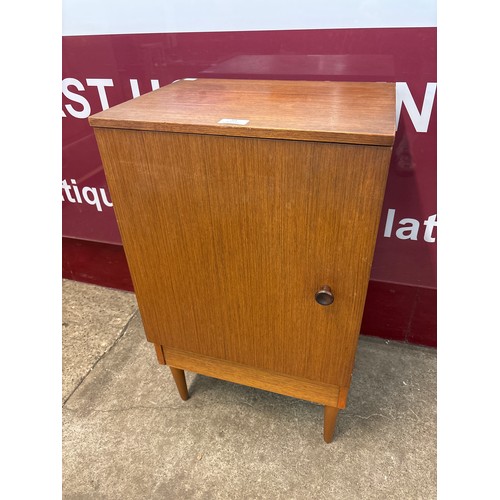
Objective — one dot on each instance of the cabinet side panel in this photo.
(229, 238)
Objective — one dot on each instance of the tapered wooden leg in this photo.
(180, 382)
(329, 423)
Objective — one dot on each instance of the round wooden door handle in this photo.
(324, 296)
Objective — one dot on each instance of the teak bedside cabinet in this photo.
(248, 211)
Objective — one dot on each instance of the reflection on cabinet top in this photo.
(343, 112)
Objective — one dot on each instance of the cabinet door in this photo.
(228, 239)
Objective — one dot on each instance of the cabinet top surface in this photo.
(343, 112)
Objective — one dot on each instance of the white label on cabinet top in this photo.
(233, 121)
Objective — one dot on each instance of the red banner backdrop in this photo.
(100, 71)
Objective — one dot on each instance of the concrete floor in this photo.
(128, 435)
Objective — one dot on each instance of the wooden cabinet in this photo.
(248, 212)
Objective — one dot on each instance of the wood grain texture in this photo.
(229, 238)
(346, 112)
(261, 379)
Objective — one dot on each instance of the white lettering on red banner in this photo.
(96, 197)
(420, 118)
(405, 228)
(409, 229)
